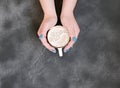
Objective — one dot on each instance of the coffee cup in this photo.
(58, 37)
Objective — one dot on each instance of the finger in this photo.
(46, 44)
(42, 36)
(71, 32)
(70, 44)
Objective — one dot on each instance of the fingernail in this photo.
(53, 50)
(40, 36)
(74, 39)
(66, 50)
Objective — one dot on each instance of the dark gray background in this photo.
(94, 61)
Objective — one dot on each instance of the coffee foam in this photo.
(58, 36)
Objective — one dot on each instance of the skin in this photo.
(50, 19)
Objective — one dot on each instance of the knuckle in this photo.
(38, 33)
(78, 31)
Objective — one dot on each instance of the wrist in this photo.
(66, 11)
(65, 14)
(50, 16)
(50, 13)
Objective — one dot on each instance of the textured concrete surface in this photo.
(94, 62)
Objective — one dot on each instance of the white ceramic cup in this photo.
(58, 37)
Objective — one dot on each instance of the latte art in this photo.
(58, 36)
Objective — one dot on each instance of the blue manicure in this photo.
(74, 39)
(40, 36)
(53, 50)
(66, 50)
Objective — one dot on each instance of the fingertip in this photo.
(50, 48)
(66, 50)
(47, 45)
(70, 45)
(53, 50)
(74, 39)
(40, 36)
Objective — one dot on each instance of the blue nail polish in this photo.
(66, 50)
(53, 50)
(40, 36)
(74, 39)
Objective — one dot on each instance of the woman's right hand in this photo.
(47, 23)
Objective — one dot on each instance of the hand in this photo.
(68, 21)
(47, 23)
